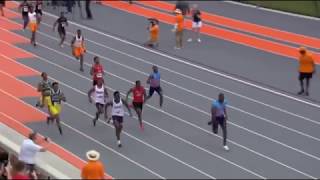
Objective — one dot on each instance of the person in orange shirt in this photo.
(178, 28)
(306, 69)
(78, 48)
(154, 33)
(94, 169)
(33, 25)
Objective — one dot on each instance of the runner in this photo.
(78, 48)
(33, 25)
(55, 105)
(178, 29)
(38, 10)
(24, 7)
(139, 94)
(45, 88)
(307, 68)
(2, 5)
(97, 71)
(62, 23)
(196, 22)
(117, 113)
(100, 96)
(219, 117)
(154, 81)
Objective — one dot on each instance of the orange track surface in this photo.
(11, 38)
(235, 37)
(16, 88)
(244, 26)
(14, 68)
(13, 52)
(13, 111)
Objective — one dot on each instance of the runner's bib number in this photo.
(25, 9)
(99, 75)
(39, 6)
(63, 24)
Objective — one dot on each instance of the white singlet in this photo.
(78, 42)
(99, 95)
(117, 109)
(32, 17)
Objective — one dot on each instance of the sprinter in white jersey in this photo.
(78, 48)
(117, 113)
(100, 97)
(33, 25)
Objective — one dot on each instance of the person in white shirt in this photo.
(29, 150)
(117, 113)
(33, 23)
(100, 96)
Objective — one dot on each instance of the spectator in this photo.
(3, 163)
(88, 11)
(307, 68)
(94, 169)
(183, 6)
(178, 28)
(196, 22)
(18, 171)
(28, 152)
(154, 33)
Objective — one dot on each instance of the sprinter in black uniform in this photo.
(62, 23)
(24, 6)
(2, 4)
(38, 10)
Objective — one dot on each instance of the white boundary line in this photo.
(205, 97)
(194, 65)
(106, 147)
(251, 23)
(173, 117)
(208, 132)
(133, 137)
(273, 10)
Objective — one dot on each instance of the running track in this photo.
(270, 136)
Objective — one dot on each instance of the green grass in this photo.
(309, 8)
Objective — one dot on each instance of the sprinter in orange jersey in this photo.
(32, 15)
(78, 48)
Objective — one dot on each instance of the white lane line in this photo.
(179, 119)
(192, 78)
(273, 10)
(213, 154)
(161, 111)
(77, 74)
(89, 137)
(192, 92)
(193, 65)
(229, 122)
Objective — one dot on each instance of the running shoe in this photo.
(226, 148)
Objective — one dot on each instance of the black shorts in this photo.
(38, 12)
(118, 119)
(30, 168)
(137, 105)
(303, 76)
(99, 105)
(62, 31)
(95, 82)
(219, 121)
(157, 89)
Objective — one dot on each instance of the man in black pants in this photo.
(88, 11)
(219, 117)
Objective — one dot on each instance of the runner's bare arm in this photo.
(72, 42)
(39, 89)
(54, 25)
(91, 70)
(106, 92)
(127, 106)
(90, 93)
(128, 93)
(63, 98)
(149, 79)
(225, 112)
(144, 94)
